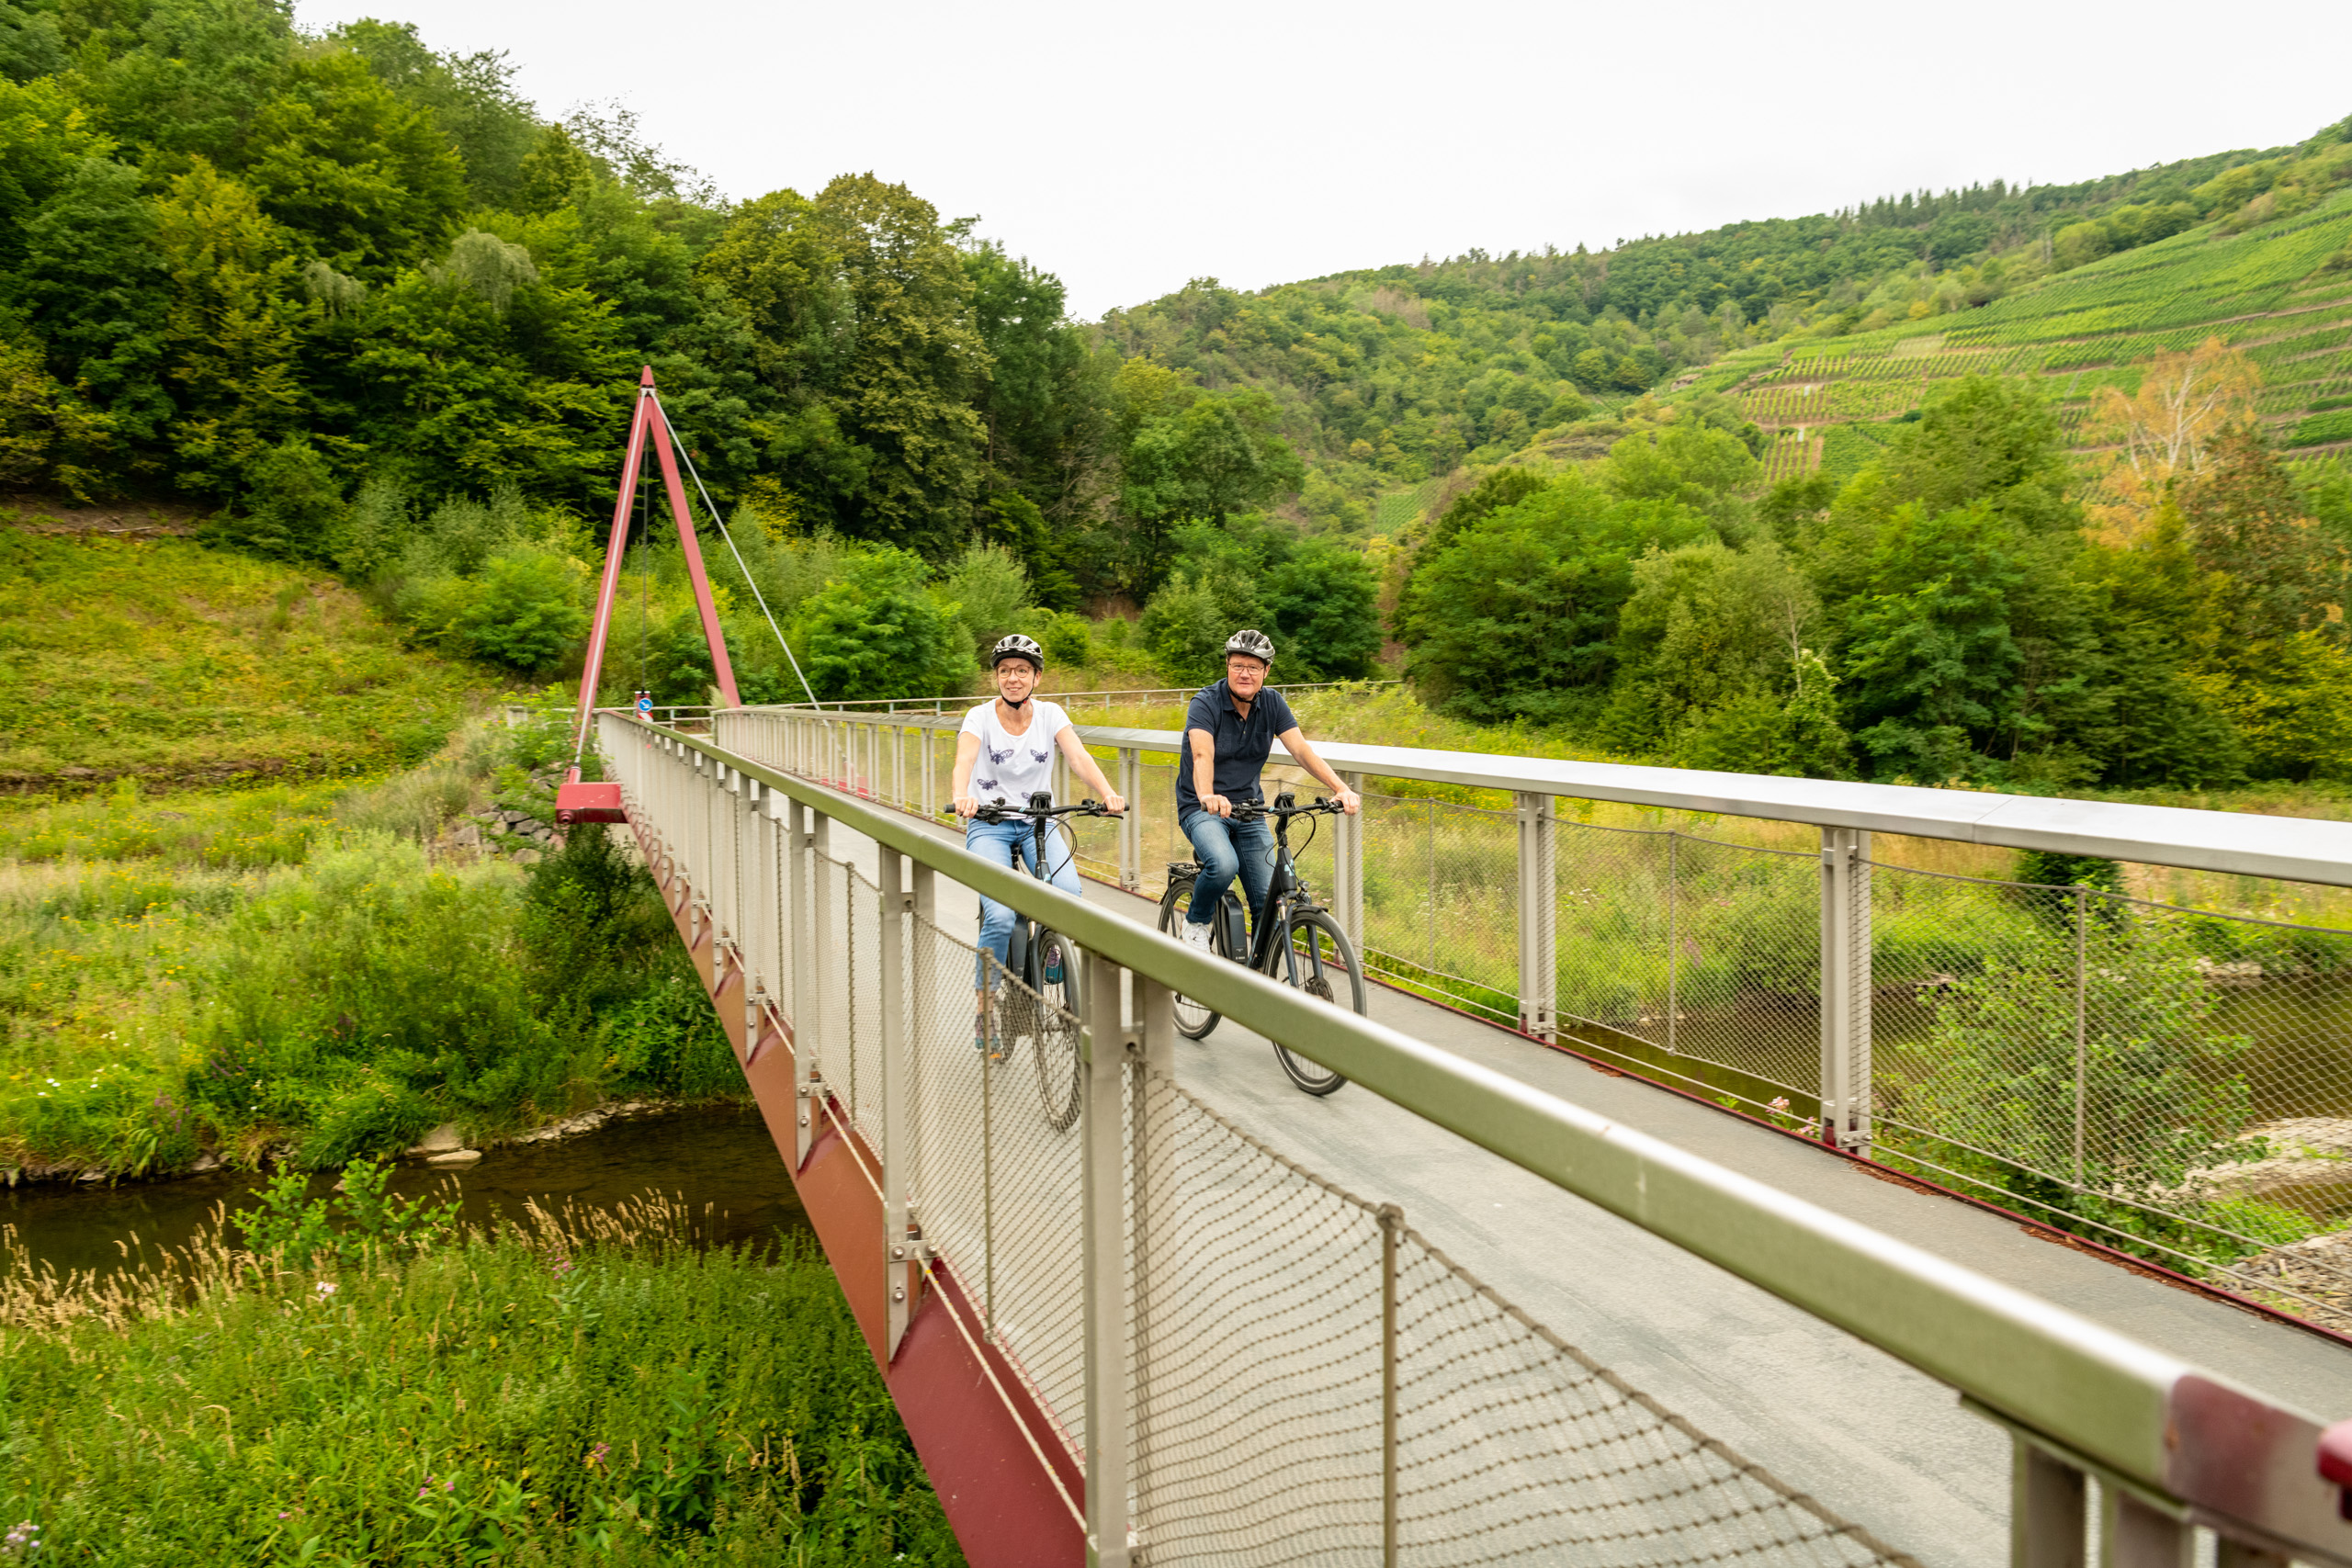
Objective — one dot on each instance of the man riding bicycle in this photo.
(1019, 734)
(1228, 732)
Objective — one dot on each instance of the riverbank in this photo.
(584, 1384)
(715, 1161)
(306, 974)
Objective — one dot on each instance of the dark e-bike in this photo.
(1294, 938)
(1044, 1012)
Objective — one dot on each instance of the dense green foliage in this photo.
(295, 971)
(266, 271)
(1943, 615)
(1392, 376)
(535, 1396)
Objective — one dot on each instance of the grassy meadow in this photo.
(179, 664)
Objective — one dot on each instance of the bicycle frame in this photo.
(1285, 891)
(1018, 948)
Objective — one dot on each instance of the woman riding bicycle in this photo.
(1018, 733)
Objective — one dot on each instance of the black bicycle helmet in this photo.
(1256, 643)
(1018, 647)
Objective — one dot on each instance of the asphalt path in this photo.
(1877, 1442)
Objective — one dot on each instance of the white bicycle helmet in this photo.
(1256, 643)
(1018, 647)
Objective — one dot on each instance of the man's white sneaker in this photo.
(1197, 935)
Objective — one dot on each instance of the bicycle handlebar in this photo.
(1250, 810)
(998, 810)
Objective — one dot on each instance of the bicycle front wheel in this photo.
(1056, 1042)
(1193, 1020)
(1319, 960)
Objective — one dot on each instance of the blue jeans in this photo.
(1226, 849)
(1006, 844)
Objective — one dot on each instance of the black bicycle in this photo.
(1044, 1012)
(1296, 939)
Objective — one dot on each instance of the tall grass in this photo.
(305, 972)
(581, 1387)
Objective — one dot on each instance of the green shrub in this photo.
(526, 612)
(1185, 626)
(987, 591)
(291, 505)
(372, 964)
(876, 632)
(1067, 639)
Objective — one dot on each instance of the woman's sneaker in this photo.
(1197, 936)
(986, 1041)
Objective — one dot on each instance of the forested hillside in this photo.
(263, 271)
(1392, 376)
(1981, 486)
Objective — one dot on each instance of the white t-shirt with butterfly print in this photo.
(1014, 766)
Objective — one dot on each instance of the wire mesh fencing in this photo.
(2170, 1080)
(1440, 900)
(993, 1171)
(1312, 1382)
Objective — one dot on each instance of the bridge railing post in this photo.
(2047, 1499)
(699, 844)
(901, 1264)
(752, 927)
(1103, 1070)
(807, 838)
(1392, 1221)
(1539, 966)
(1152, 1174)
(1131, 825)
(741, 903)
(1347, 868)
(768, 841)
(1846, 988)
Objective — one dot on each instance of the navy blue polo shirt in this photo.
(1241, 744)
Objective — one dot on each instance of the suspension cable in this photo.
(712, 507)
(644, 579)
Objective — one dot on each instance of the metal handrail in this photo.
(892, 706)
(2291, 848)
(2197, 1445)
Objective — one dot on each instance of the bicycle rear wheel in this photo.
(1322, 962)
(1193, 1020)
(1056, 1042)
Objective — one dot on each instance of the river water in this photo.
(718, 1160)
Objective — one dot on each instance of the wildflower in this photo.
(1780, 1104)
(22, 1541)
(597, 1455)
(326, 1289)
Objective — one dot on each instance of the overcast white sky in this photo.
(1128, 148)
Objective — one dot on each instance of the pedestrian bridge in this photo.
(1521, 1293)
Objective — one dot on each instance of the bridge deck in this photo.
(1879, 1443)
